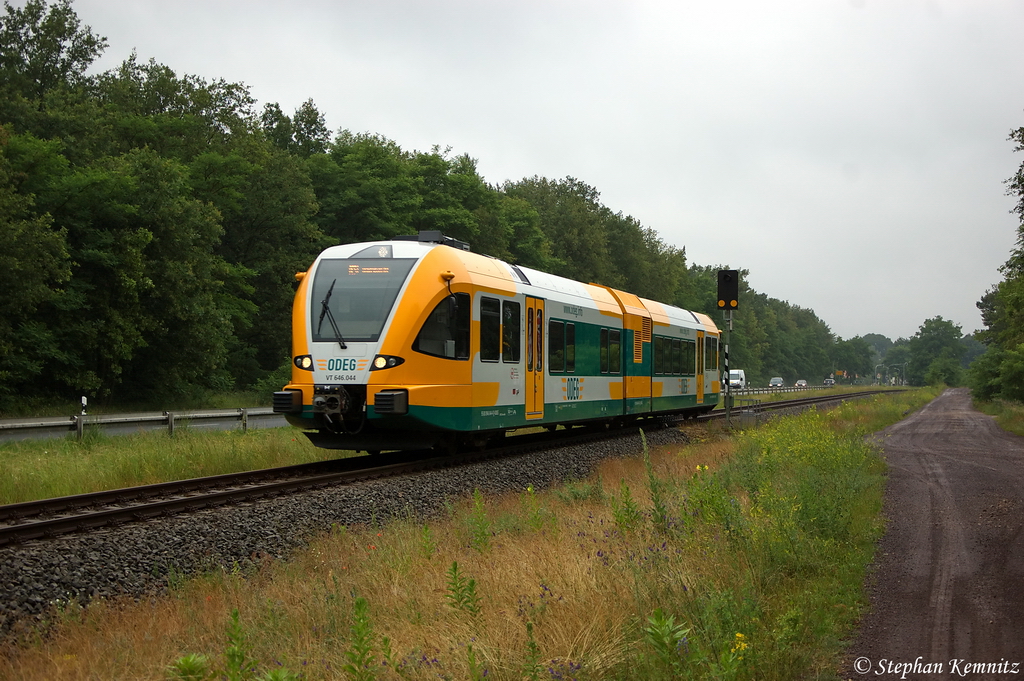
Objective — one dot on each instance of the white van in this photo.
(737, 379)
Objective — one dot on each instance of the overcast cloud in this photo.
(851, 154)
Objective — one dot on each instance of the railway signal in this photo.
(728, 300)
(728, 289)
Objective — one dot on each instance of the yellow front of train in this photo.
(372, 323)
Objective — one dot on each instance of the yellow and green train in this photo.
(418, 342)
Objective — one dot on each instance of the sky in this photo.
(850, 154)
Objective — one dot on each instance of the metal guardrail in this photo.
(781, 389)
(39, 428)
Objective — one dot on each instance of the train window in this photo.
(359, 293)
(446, 331)
(677, 356)
(659, 354)
(540, 339)
(529, 339)
(614, 351)
(604, 351)
(570, 347)
(710, 353)
(556, 346)
(511, 326)
(689, 357)
(561, 346)
(490, 329)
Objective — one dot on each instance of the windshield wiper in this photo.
(325, 311)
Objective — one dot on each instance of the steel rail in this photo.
(48, 518)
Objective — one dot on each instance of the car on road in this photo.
(830, 381)
(800, 384)
(737, 379)
(776, 382)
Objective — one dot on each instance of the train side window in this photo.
(529, 339)
(710, 353)
(540, 339)
(570, 347)
(604, 351)
(659, 355)
(689, 357)
(556, 346)
(511, 326)
(446, 331)
(677, 356)
(614, 351)
(490, 329)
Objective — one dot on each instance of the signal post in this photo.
(728, 300)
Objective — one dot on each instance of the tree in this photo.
(34, 264)
(365, 189)
(311, 135)
(997, 373)
(450, 194)
(937, 342)
(43, 47)
(277, 126)
(854, 357)
(571, 217)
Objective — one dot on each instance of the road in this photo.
(947, 591)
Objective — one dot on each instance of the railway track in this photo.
(49, 518)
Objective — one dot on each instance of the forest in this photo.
(152, 223)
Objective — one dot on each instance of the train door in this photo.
(700, 367)
(534, 358)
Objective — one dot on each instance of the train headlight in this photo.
(385, 362)
(304, 362)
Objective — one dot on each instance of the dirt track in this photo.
(947, 594)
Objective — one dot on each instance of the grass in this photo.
(729, 558)
(1009, 415)
(41, 469)
(42, 406)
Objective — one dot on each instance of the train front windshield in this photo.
(359, 294)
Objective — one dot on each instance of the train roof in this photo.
(489, 271)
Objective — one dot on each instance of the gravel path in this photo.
(947, 595)
(135, 560)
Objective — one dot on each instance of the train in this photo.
(419, 343)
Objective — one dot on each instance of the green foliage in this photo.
(997, 374)
(625, 511)
(238, 666)
(537, 516)
(659, 512)
(237, 663)
(191, 667)
(477, 672)
(575, 491)
(935, 352)
(462, 593)
(532, 667)
(428, 545)
(668, 640)
(360, 656)
(43, 47)
(478, 524)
